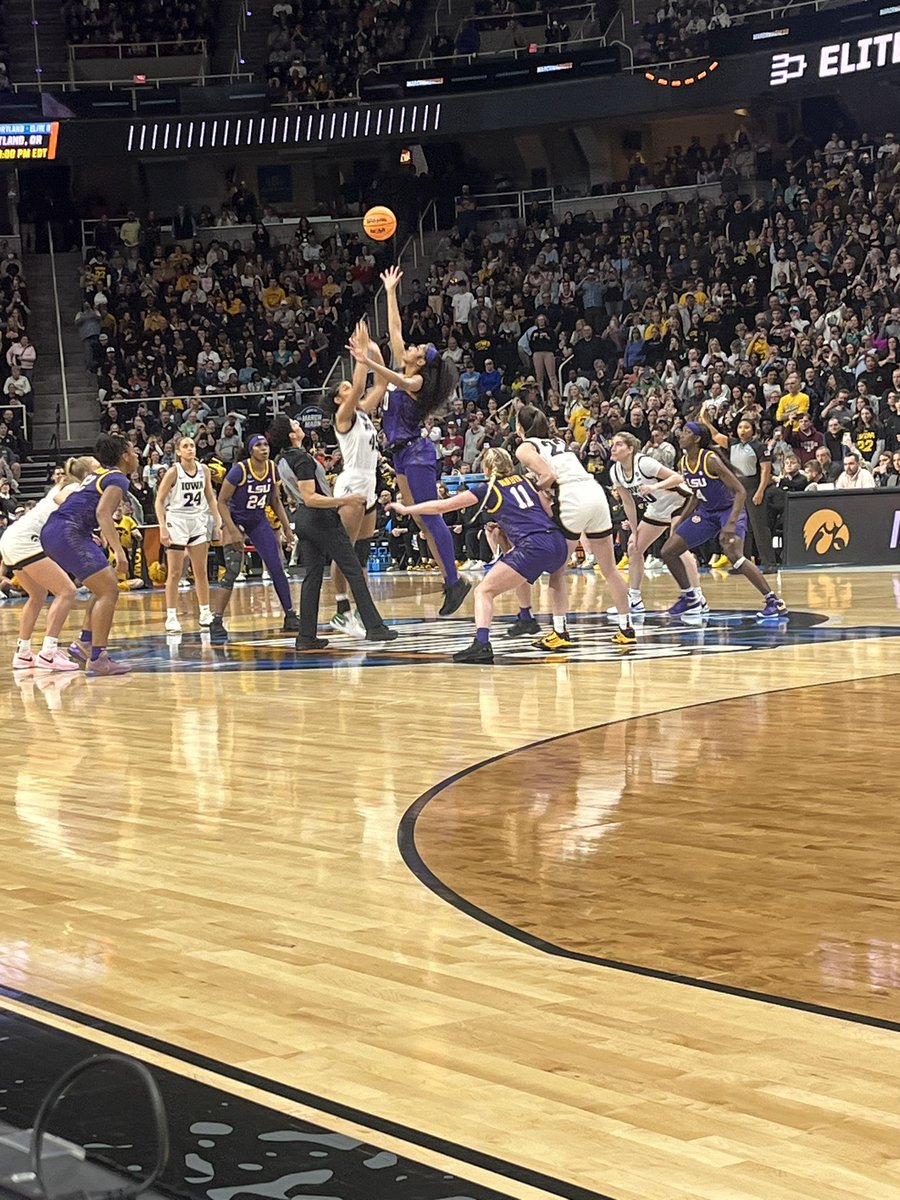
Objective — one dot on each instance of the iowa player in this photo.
(185, 507)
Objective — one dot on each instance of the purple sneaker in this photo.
(774, 607)
(104, 665)
(80, 652)
(682, 605)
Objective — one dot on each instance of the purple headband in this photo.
(694, 428)
(255, 440)
(430, 354)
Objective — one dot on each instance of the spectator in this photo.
(854, 475)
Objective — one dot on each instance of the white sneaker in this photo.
(206, 617)
(173, 625)
(589, 561)
(348, 624)
(184, 585)
(266, 577)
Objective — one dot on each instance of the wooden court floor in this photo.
(611, 925)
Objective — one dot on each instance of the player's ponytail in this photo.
(496, 464)
(533, 421)
(77, 469)
(439, 379)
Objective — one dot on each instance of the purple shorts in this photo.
(537, 553)
(79, 556)
(701, 527)
(419, 453)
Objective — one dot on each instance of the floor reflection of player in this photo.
(247, 490)
(715, 508)
(537, 545)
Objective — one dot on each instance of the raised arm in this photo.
(408, 383)
(720, 439)
(391, 280)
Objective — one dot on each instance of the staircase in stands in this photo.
(52, 53)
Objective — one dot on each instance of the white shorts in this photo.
(582, 508)
(188, 529)
(355, 483)
(661, 511)
(18, 547)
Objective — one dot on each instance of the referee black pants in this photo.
(322, 536)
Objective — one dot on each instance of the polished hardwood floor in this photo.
(207, 852)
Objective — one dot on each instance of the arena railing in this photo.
(280, 232)
(59, 334)
(128, 85)
(21, 410)
(126, 50)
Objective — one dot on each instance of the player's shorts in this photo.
(660, 512)
(77, 553)
(537, 553)
(355, 483)
(582, 508)
(188, 529)
(20, 547)
(704, 525)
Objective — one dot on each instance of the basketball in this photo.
(380, 223)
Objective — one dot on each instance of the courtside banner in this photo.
(842, 529)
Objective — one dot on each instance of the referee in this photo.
(321, 535)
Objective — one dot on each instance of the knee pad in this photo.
(234, 560)
(362, 547)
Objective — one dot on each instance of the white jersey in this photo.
(187, 497)
(579, 501)
(359, 447)
(562, 461)
(662, 504)
(22, 539)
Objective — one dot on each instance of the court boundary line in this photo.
(465, 1155)
(409, 852)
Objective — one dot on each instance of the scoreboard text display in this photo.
(35, 140)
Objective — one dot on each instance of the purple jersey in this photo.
(79, 511)
(516, 506)
(712, 494)
(252, 493)
(402, 427)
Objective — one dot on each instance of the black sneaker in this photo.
(217, 631)
(523, 628)
(453, 597)
(315, 643)
(478, 652)
(381, 633)
(291, 623)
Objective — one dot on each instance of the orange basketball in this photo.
(380, 223)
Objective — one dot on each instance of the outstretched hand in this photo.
(391, 278)
(361, 335)
(402, 510)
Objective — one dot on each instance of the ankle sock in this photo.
(525, 614)
(483, 636)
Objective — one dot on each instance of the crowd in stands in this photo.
(18, 357)
(679, 29)
(195, 336)
(317, 49)
(134, 23)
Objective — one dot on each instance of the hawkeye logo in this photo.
(825, 530)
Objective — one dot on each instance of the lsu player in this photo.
(635, 474)
(537, 544)
(68, 538)
(249, 488)
(716, 507)
(580, 507)
(37, 574)
(358, 443)
(185, 507)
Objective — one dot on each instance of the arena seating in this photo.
(133, 24)
(302, 64)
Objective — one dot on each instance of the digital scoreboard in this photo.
(32, 141)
